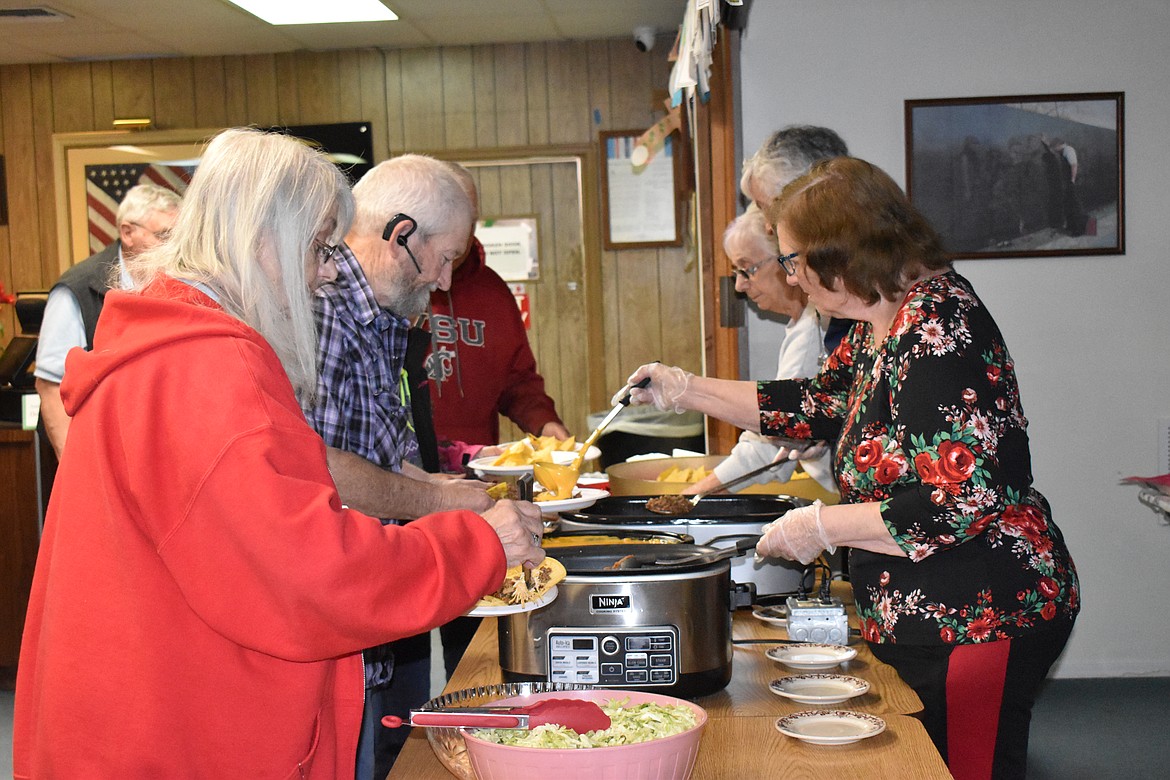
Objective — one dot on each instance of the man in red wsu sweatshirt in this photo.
(481, 365)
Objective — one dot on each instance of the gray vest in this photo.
(88, 281)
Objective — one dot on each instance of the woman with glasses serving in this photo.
(760, 275)
(962, 581)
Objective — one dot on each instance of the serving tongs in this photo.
(580, 715)
(697, 497)
(524, 489)
(664, 557)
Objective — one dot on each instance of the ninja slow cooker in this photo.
(663, 626)
(716, 520)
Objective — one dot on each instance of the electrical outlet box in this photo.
(813, 620)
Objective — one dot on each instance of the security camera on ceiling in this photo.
(644, 38)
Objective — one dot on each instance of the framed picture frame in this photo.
(641, 207)
(1020, 175)
(93, 170)
(90, 168)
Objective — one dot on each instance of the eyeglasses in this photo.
(747, 273)
(160, 235)
(325, 252)
(786, 263)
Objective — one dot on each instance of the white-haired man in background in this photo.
(144, 219)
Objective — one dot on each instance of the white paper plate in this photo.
(582, 497)
(830, 727)
(773, 616)
(811, 656)
(486, 466)
(819, 688)
(513, 609)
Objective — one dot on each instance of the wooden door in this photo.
(564, 301)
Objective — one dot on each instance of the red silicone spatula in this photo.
(578, 714)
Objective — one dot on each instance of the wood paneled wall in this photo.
(454, 98)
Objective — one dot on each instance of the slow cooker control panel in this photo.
(614, 656)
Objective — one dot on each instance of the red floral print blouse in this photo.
(930, 426)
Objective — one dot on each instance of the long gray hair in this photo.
(257, 198)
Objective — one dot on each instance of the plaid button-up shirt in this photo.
(361, 355)
(361, 352)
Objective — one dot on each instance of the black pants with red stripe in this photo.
(977, 699)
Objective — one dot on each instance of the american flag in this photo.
(106, 185)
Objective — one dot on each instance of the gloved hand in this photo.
(667, 384)
(798, 535)
(812, 451)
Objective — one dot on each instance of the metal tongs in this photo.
(736, 480)
(664, 557)
(694, 500)
(524, 489)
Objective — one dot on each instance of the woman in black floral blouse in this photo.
(962, 581)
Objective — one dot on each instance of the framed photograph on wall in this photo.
(93, 171)
(641, 207)
(1022, 175)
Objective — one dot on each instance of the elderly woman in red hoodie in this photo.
(201, 595)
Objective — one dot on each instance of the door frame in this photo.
(585, 158)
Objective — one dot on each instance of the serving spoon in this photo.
(676, 507)
(593, 437)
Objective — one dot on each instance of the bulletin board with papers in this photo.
(639, 198)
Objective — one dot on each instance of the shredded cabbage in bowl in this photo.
(628, 726)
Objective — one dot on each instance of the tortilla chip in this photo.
(515, 591)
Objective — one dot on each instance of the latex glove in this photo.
(798, 535)
(667, 385)
(811, 451)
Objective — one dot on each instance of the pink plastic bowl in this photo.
(669, 758)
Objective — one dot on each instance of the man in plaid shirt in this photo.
(412, 221)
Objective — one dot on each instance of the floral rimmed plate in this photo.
(773, 616)
(819, 688)
(830, 727)
(811, 656)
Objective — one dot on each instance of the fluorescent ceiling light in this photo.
(317, 11)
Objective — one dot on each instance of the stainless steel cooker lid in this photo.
(602, 559)
(605, 536)
(713, 510)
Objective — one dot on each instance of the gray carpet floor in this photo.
(1083, 729)
(1098, 729)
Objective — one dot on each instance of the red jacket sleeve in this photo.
(274, 563)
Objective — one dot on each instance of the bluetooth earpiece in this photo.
(405, 234)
